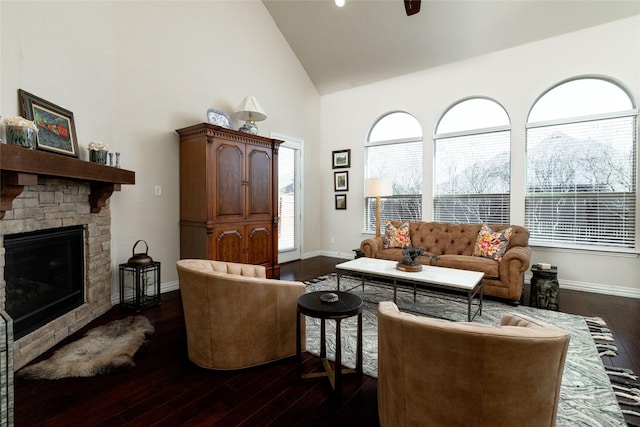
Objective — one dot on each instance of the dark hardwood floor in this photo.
(165, 389)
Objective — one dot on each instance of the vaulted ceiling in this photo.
(371, 40)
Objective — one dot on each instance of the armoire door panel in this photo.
(229, 244)
(229, 182)
(260, 243)
(260, 183)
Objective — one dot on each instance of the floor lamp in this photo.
(378, 187)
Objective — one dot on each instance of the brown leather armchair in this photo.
(235, 317)
(434, 372)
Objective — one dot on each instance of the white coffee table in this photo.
(466, 281)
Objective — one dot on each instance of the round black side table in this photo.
(312, 305)
(545, 289)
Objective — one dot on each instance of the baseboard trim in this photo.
(332, 254)
(169, 286)
(164, 287)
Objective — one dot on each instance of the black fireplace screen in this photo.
(44, 275)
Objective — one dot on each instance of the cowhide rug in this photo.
(105, 349)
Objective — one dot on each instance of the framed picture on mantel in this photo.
(56, 127)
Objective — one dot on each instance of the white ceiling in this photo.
(371, 40)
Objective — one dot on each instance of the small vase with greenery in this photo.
(98, 152)
(21, 132)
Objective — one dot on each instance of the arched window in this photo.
(394, 150)
(581, 166)
(472, 163)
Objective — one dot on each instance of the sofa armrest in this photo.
(516, 258)
(512, 267)
(372, 245)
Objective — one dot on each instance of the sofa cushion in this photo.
(396, 237)
(492, 244)
(392, 254)
(463, 262)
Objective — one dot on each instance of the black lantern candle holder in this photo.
(139, 281)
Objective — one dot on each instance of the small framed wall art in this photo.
(56, 127)
(341, 181)
(341, 201)
(341, 159)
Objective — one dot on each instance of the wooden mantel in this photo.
(21, 166)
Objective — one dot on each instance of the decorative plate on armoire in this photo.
(218, 118)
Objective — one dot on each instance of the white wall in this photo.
(514, 78)
(133, 72)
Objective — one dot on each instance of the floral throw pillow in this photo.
(396, 237)
(492, 244)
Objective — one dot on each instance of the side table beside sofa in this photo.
(545, 288)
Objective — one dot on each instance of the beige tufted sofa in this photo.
(451, 245)
(433, 372)
(235, 317)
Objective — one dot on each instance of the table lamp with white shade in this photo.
(251, 111)
(378, 187)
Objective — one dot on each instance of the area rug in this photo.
(586, 396)
(105, 349)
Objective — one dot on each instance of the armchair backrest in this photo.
(248, 270)
(441, 373)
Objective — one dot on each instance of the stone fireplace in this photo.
(43, 191)
(55, 203)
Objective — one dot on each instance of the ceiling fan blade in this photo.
(412, 6)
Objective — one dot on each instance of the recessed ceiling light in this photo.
(340, 3)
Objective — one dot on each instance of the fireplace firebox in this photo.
(44, 275)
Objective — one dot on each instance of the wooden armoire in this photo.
(229, 196)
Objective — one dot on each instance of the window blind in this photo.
(398, 208)
(401, 162)
(472, 176)
(581, 182)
